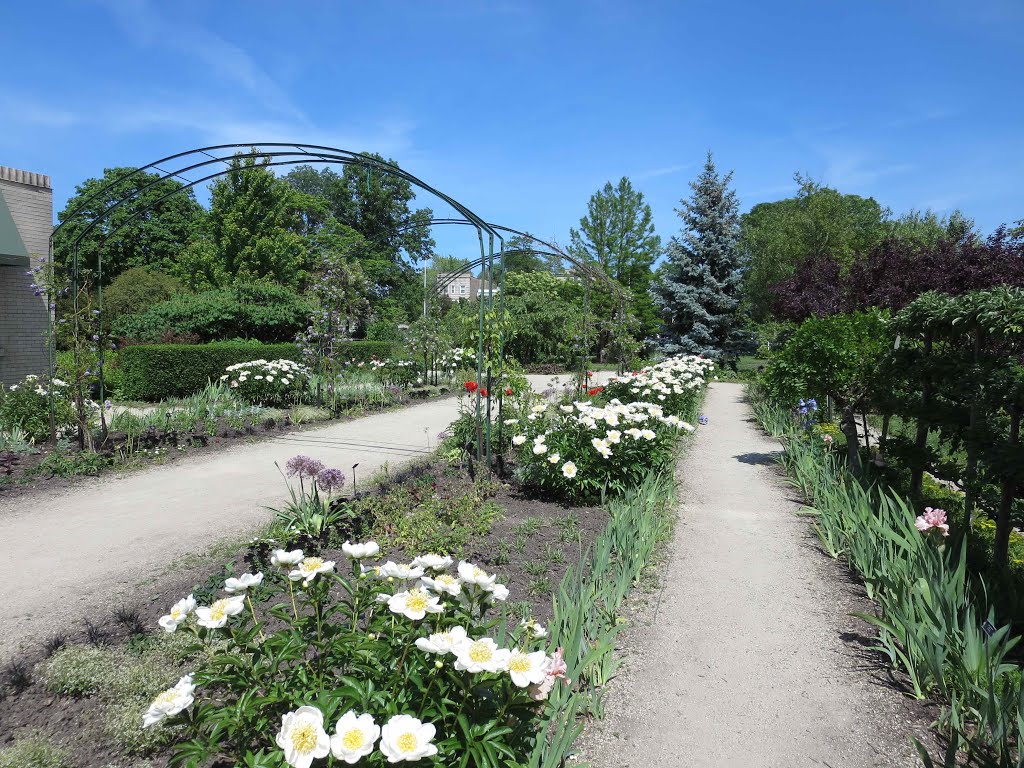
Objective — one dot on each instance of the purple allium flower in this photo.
(702, 419)
(444, 435)
(330, 479)
(304, 466)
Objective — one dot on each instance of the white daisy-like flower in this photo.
(442, 642)
(474, 574)
(415, 604)
(400, 571)
(443, 583)
(179, 612)
(354, 737)
(360, 551)
(284, 559)
(310, 568)
(217, 615)
(433, 562)
(302, 737)
(481, 655)
(243, 582)
(404, 737)
(527, 669)
(170, 702)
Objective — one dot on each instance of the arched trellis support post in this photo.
(221, 157)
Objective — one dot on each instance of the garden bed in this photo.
(529, 544)
(49, 468)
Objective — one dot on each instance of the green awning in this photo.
(13, 252)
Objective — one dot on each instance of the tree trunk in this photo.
(849, 427)
(971, 475)
(1009, 493)
(921, 438)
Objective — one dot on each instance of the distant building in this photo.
(26, 221)
(462, 286)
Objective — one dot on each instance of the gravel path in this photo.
(747, 656)
(67, 552)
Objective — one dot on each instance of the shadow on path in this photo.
(759, 459)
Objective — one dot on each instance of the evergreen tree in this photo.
(698, 286)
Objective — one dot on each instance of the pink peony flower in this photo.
(827, 439)
(932, 519)
(556, 670)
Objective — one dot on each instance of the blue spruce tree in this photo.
(697, 286)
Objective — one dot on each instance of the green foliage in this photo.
(34, 749)
(136, 291)
(25, 407)
(546, 317)
(779, 236)
(159, 371)
(61, 462)
(262, 311)
(154, 239)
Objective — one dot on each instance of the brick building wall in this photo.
(23, 316)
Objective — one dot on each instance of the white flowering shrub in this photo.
(580, 450)
(385, 664)
(25, 406)
(399, 373)
(675, 384)
(458, 359)
(267, 382)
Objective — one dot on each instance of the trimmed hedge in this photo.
(158, 371)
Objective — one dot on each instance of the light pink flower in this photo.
(556, 670)
(827, 439)
(932, 519)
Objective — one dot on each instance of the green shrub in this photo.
(80, 670)
(260, 311)
(159, 371)
(34, 749)
(138, 290)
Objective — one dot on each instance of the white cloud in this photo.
(663, 171)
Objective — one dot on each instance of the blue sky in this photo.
(521, 110)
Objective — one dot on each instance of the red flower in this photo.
(590, 374)
(483, 391)
(595, 391)
(470, 386)
(508, 391)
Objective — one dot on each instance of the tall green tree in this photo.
(617, 234)
(140, 233)
(819, 221)
(698, 286)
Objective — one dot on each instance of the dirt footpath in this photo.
(747, 656)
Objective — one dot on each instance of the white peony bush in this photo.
(388, 663)
(267, 382)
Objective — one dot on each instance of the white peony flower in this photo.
(474, 574)
(539, 448)
(415, 604)
(302, 737)
(569, 470)
(499, 592)
(535, 628)
(648, 434)
(432, 562)
(243, 582)
(401, 571)
(613, 436)
(565, 408)
(360, 551)
(442, 642)
(354, 737)
(170, 702)
(527, 669)
(310, 568)
(179, 612)
(217, 615)
(443, 583)
(518, 439)
(510, 422)
(284, 559)
(404, 737)
(482, 655)
(554, 458)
